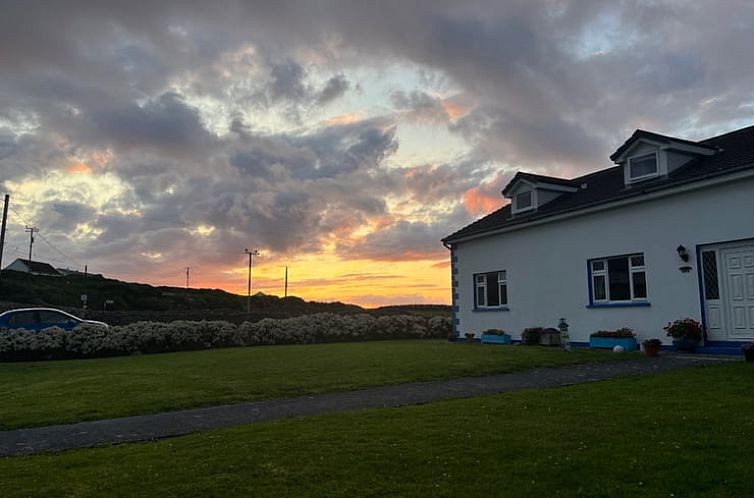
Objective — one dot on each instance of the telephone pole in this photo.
(188, 272)
(286, 283)
(251, 254)
(32, 231)
(2, 229)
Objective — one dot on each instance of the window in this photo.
(523, 200)
(709, 269)
(24, 318)
(618, 279)
(491, 289)
(642, 166)
(53, 317)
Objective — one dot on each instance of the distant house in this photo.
(33, 267)
(666, 233)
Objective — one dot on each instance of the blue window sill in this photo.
(486, 310)
(640, 304)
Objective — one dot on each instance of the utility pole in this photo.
(188, 270)
(251, 254)
(31, 231)
(2, 229)
(286, 283)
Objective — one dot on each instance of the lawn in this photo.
(43, 393)
(686, 433)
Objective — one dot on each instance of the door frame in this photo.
(722, 282)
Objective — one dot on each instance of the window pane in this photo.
(503, 294)
(643, 165)
(493, 292)
(24, 318)
(640, 284)
(620, 289)
(52, 317)
(599, 288)
(480, 279)
(598, 265)
(480, 296)
(502, 276)
(709, 269)
(637, 260)
(523, 200)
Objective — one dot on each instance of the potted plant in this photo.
(651, 346)
(530, 336)
(549, 337)
(748, 351)
(608, 339)
(495, 336)
(686, 334)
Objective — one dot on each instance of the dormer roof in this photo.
(539, 181)
(665, 140)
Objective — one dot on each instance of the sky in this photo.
(342, 139)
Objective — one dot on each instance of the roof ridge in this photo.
(716, 137)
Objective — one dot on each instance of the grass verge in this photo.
(686, 433)
(43, 393)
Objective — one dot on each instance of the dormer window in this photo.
(644, 166)
(523, 200)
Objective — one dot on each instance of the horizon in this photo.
(341, 140)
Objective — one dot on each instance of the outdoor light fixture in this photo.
(683, 253)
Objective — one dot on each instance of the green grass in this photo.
(43, 393)
(686, 433)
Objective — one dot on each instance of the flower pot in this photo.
(686, 344)
(496, 339)
(748, 351)
(628, 343)
(651, 351)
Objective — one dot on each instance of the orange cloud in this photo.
(78, 168)
(478, 202)
(455, 110)
(344, 119)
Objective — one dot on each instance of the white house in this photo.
(33, 267)
(667, 233)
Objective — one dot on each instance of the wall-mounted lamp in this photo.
(683, 253)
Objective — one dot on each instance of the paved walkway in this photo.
(177, 423)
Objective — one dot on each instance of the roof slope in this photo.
(39, 267)
(735, 152)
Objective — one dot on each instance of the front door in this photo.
(739, 277)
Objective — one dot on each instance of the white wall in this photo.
(547, 264)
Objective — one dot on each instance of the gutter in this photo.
(649, 193)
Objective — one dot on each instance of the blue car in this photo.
(41, 318)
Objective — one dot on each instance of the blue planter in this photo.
(628, 343)
(496, 339)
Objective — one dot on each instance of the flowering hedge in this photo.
(154, 337)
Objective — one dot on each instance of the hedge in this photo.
(88, 340)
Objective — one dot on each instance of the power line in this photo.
(68, 259)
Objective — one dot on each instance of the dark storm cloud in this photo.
(557, 86)
(334, 88)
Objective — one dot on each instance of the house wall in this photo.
(547, 264)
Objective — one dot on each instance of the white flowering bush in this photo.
(89, 340)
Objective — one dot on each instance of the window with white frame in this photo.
(618, 279)
(491, 289)
(644, 166)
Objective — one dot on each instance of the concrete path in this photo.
(177, 423)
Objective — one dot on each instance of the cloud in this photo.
(335, 88)
(281, 123)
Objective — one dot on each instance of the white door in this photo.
(739, 279)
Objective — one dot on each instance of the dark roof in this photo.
(657, 138)
(735, 152)
(39, 267)
(532, 177)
